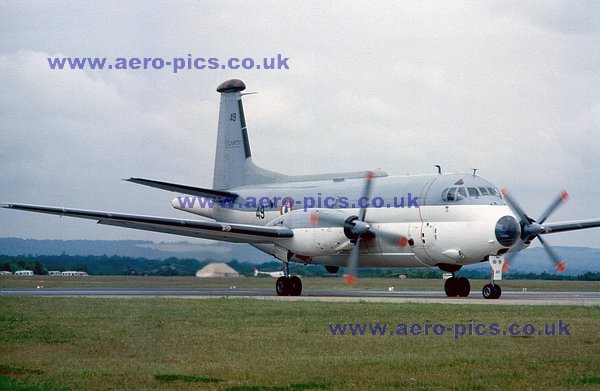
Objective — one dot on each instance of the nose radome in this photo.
(507, 231)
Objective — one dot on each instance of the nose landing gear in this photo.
(493, 290)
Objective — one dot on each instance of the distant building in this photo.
(54, 273)
(217, 270)
(24, 273)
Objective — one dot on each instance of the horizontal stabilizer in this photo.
(184, 189)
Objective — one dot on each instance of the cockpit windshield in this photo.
(457, 193)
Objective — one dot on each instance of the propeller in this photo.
(359, 228)
(356, 228)
(531, 229)
(362, 229)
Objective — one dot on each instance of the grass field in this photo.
(245, 344)
(267, 282)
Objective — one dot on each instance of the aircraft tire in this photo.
(497, 292)
(295, 286)
(451, 287)
(282, 286)
(488, 291)
(463, 287)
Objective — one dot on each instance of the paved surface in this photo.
(508, 298)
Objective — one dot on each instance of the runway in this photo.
(508, 297)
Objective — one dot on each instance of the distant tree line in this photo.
(116, 265)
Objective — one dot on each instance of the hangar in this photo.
(217, 270)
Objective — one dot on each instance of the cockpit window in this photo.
(451, 194)
(458, 193)
(473, 192)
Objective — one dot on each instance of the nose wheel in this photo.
(491, 291)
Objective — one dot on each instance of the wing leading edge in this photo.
(237, 233)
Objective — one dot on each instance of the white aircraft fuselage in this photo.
(439, 231)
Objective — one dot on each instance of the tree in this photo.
(38, 268)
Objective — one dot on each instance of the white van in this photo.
(23, 273)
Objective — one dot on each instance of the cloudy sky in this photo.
(510, 88)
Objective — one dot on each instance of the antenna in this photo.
(439, 168)
(474, 171)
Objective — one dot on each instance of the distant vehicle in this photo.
(73, 274)
(5, 273)
(24, 273)
(54, 273)
(272, 274)
(446, 276)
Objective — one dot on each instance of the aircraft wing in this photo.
(238, 233)
(184, 189)
(570, 226)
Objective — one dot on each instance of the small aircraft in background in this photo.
(348, 219)
(276, 274)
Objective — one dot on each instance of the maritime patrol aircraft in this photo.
(349, 219)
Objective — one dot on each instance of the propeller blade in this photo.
(366, 195)
(350, 277)
(399, 240)
(360, 227)
(560, 265)
(563, 196)
(514, 206)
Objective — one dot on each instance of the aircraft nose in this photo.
(507, 231)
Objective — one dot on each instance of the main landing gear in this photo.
(288, 286)
(457, 286)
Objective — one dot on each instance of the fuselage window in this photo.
(462, 194)
(483, 191)
(473, 192)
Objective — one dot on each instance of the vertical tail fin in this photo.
(233, 147)
(233, 160)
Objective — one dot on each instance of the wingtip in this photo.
(5, 205)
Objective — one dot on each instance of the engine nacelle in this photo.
(317, 231)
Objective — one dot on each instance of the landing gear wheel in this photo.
(491, 291)
(451, 287)
(457, 287)
(497, 291)
(295, 286)
(464, 287)
(282, 286)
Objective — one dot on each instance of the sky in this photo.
(507, 87)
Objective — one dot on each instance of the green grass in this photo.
(245, 344)
(267, 282)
